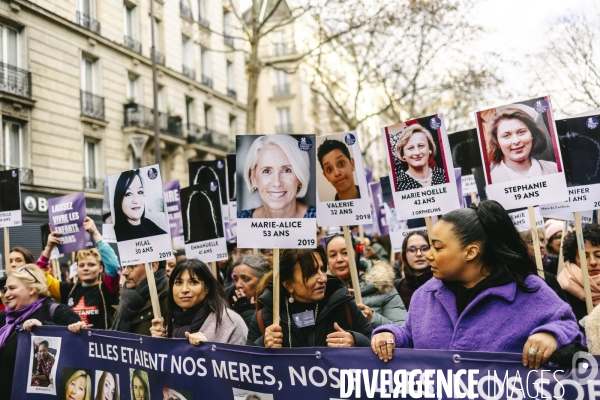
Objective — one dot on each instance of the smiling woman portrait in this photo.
(338, 168)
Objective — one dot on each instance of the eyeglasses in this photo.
(28, 271)
(130, 267)
(414, 250)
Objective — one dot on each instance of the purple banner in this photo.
(458, 176)
(172, 199)
(66, 215)
(378, 209)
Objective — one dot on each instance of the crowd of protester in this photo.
(472, 284)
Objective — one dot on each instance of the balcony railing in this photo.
(143, 117)
(88, 22)
(283, 49)
(284, 129)
(206, 81)
(204, 22)
(15, 81)
(25, 174)
(228, 40)
(185, 10)
(132, 44)
(92, 184)
(160, 58)
(210, 138)
(192, 129)
(91, 105)
(189, 72)
(281, 90)
(232, 93)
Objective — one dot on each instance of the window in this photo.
(189, 110)
(9, 42)
(11, 144)
(132, 28)
(187, 57)
(232, 126)
(90, 161)
(201, 11)
(283, 120)
(227, 28)
(87, 7)
(133, 88)
(207, 117)
(86, 14)
(230, 76)
(87, 75)
(206, 70)
(282, 86)
(162, 99)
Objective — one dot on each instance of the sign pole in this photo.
(535, 242)
(429, 225)
(473, 198)
(353, 268)
(583, 263)
(276, 285)
(561, 257)
(153, 292)
(213, 268)
(6, 250)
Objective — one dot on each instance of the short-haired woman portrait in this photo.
(338, 168)
(278, 171)
(515, 143)
(131, 221)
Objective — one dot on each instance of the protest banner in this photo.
(212, 171)
(203, 227)
(66, 214)
(276, 191)
(341, 181)
(108, 228)
(140, 219)
(421, 169)
(231, 186)
(520, 154)
(220, 371)
(10, 199)
(464, 148)
(173, 204)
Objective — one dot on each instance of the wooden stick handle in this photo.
(353, 268)
(153, 292)
(213, 268)
(429, 225)
(276, 285)
(583, 263)
(473, 198)
(361, 233)
(535, 242)
(561, 257)
(6, 250)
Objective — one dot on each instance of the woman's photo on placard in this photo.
(416, 153)
(275, 177)
(76, 384)
(139, 384)
(138, 204)
(201, 212)
(45, 352)
(107, 386)
(579, 140)
(339, 168)
(518, 141)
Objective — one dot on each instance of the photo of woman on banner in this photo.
(201, 212)
(78, 386)
(277, 170)
(417, 160)
(338, 169)
(517, 143)
(140, 387)
(107, 386)
(579, 140)
(129, 208)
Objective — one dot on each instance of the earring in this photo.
(254, 190)
(299, 187)
(291, 299)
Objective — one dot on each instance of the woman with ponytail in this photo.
(486, 295)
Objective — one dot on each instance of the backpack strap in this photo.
(53, 308)
(261, 324)
(348, 315)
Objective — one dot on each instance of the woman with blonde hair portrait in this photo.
(79, 386)
(416, 147)
(279, 172)
(515, 141)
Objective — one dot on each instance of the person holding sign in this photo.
(415, 147)
(130, 209)
(280, 172)
(482, 271)
(338, 169)
(514, 143)
(316, 309)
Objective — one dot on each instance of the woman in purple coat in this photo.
(486, 295)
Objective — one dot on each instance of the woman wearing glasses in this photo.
(381, 303)
(28, 304)
(416, 266)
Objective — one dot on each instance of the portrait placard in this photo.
(276, 191)
(520, 153)
(520, 219)
(231, 186)
(10, 198)
(421, 169)
(66, 214)
(587, 217)
(341, 181)
(212, 171)
(173, 201)
(464, 148)
(43, 362)
(579, 140)
(139, 215)
(203, 227)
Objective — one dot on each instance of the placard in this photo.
(520, 219)
(421, 169)
(341, 181)
(66, 214)
(140, 219)
(520, 153)
(50, 346)
(212, 171)
(587, 217)
(380, 220)
(276, 191)
(108, 229)
(579, 140)
(173, 204)
(203, 228)
(464, 148)
(10, 198)
(231, 186)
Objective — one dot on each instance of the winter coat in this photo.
(499, 319)
(331, 310)
(592, 331)
(233, 329)
(142, 321)
(380, 295)
(243, 306)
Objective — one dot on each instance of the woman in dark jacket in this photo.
(323, 312)
(247, 272)
(416, 266)
(28, 304)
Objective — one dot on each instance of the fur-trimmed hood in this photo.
(381, 275)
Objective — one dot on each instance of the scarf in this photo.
(189, 321)
(16, 317)
(571, 280)
(132, 301)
